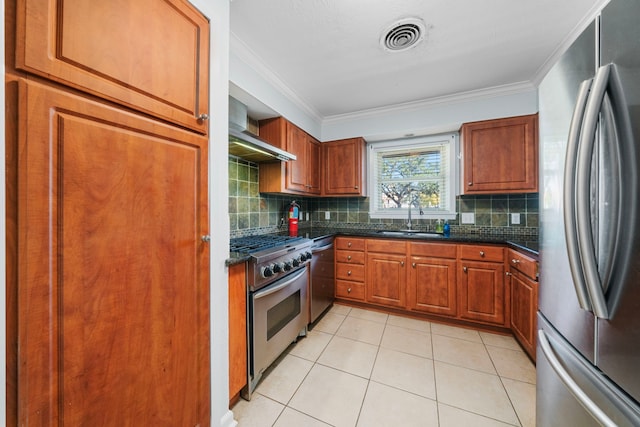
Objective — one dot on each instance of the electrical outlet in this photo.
(515, 218)
(467, 218)
(327, 215)
(307, 216)
(300, 216)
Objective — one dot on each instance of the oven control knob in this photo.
(308, 255)
(287, 266)
(296, 261)
(278, 267)
(267, 271)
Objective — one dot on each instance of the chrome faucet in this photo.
(413, 200)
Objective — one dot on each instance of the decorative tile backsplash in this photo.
(253, 213)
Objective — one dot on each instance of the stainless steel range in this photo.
(277, 310)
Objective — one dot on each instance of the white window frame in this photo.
(411, 144)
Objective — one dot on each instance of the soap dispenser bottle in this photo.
(439, 226)
(446, 229)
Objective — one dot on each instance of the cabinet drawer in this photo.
(386, 246)
(527, 265)
(435, 250)
(350, 272)
(482, 253)
(353, 290)
(349, 257)
(356, 244)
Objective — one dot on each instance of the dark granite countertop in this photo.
(528, 246)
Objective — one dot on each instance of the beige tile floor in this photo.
(369, 369)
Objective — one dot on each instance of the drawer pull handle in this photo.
(515, 261)
(482, 253)
(349, 244)
(401, 263)
(356, 187)
(506, 273)
(413, 265)
(202, 117)
(464, 269)
(348, 290)
(349, 258)
(349, 273)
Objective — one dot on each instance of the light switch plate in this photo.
(515, 218)
(467, 218)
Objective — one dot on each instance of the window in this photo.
(420, 173)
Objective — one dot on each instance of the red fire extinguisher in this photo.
(294, 209)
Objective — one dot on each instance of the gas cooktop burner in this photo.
(250, 244)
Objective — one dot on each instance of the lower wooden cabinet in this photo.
(237, 329)
(432, 279)
(386, 273)
(349, 256)
(524, 302)
(483, 296)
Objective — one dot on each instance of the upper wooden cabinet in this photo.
(148, 55)
(343, 167)
(300, 176)
(501, 156)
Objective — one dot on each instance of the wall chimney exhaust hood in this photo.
(247, 146)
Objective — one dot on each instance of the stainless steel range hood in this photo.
(247, 146)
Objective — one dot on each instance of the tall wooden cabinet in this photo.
(112, 284)
(300, 176)
(500, 156)
(343, 167)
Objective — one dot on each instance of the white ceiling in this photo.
(327, 52)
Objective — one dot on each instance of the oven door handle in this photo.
(269, 290)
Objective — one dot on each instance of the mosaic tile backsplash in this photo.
(253, 213)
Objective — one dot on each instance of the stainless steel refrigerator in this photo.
(588, 355)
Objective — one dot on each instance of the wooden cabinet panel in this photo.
(527, 265)
(350, 243)
(386, 246)
(501, 156)
(349, 257)
(432, 285)
(386, 278)
(237, 328)
(113, 274)
(350, 290)
(343, 167)
(437, 250)
(481, 253)
(482, 294)
(350, 272)
(300, 176)
(524, 305)
(114, 50)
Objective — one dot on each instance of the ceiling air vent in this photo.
(403, 34)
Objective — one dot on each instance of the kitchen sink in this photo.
(411, 233)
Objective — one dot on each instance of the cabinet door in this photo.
(386, 279)
(113, 283)
(237, 328)
(313, 166)
(524, 301)
(501, 156)
(155, 58)
(432, 285)
(343, 167)
(482, 295)
(297, 169)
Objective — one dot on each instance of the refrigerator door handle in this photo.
(583, 200)
(565, 377)
(569, 207)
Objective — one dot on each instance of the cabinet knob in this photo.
(202, 117)
(515, 261)
(506, 273)
(349, 244)
(356, 187)
(206, 238)
(413, 265)
(481, 253)
(349, 258)
(464, 269)
(470, 183)
(401, 263)
(349, 273)
(348, 290)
